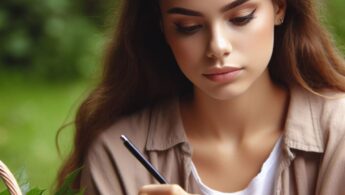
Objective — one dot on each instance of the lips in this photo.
(225, 74)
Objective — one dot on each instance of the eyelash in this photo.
(188, 29)
(241, 21)
(238, 21)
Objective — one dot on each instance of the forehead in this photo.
(199, 3)
(204, 5)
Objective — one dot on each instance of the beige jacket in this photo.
(312, 157)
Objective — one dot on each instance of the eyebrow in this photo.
(233, 5)
(184, 11)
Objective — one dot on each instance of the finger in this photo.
(165, 189)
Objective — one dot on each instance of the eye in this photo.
(188, 30)
(243, 20)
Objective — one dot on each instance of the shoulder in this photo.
(323, 112)
(329, 110)
(108, 162)
(316, 120)
(322, 119)
(136, 126)
(332, 122)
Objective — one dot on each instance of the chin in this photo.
(226, 92)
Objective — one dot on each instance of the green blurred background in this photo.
(50, 56)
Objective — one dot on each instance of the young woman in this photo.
(222, 97)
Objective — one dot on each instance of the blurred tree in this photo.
(52, 38)
(98, 10)
(335, 13)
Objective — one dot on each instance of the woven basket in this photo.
(9, 180)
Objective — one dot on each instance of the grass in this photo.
(31, 112)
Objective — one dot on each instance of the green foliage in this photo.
(24, 185)
(66, 188)
(335, 21)
(31, 112)
(5, 192)
(35, 191)
(51, 38)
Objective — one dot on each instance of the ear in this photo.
(279, 11)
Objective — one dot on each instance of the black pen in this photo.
(143, 161)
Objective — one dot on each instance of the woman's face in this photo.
(222, 46)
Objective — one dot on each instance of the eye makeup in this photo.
(189, 29)
(242, 20)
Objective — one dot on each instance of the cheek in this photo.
(260, 43)
(255, 41)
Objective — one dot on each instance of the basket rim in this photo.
(9, 180)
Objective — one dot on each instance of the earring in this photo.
(281, 20)
(210, 55)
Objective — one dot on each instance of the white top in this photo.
(261, 184)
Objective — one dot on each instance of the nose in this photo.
(219, 45)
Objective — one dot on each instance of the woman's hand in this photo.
(165, 189)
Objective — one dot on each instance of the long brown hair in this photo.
(140, 70)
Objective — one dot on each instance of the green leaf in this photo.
(22, 179)
(66, 188)
(25, 187)
(35, 191)
(21, 176)
(80, 192)
(5, 192)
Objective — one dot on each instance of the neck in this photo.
(261, 109)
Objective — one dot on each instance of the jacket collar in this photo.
(302, 127)
(166, 128)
